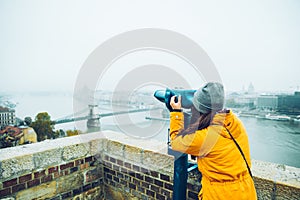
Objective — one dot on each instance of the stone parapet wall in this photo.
(108, 165)
(56, 169)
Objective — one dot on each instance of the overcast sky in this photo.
(43, 44)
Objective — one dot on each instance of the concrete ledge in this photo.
(277, 173)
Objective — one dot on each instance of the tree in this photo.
(43, 126)
(28, 121)
(73, 132)
(60, 133)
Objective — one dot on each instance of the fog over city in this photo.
(45, 43)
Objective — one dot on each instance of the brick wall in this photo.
(135, 180)
(114, 166)
(79, 178)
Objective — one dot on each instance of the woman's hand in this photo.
(175, 105)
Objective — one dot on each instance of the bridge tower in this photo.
(93, 122)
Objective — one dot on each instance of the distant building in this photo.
(251, 89)
(236, 100)
(269, 102)
(7, 116)
(289, 104)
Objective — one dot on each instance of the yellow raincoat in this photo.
(224, 171)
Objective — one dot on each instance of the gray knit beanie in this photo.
(209, 98)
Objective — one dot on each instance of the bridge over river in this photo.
(93, 118)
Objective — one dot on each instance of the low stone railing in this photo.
(109, 165)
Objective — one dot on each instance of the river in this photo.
(272, 141)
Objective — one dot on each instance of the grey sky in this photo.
(45, 43)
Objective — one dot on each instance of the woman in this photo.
(219, 141)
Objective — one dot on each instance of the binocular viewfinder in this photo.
(165, 97)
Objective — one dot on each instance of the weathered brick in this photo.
(46, 178)
(55, 198)
(107, 164)
(131, 173)
(66, 195)
(127, 178)
(135, 181)
(158, 183)
(101, 180)
(84, 166)
(165, 192)
(87, 187)
(165, 177)
(136, 194)
(120, 175)
(160, 197)
(33, 183)
(112, 183)
(139, 176)
(168, 186)
(78, 162)
(40, 174)
(57, 174)
(73, 169)
(10, 182)
(52, 169)
(192, 195)
(193, 187)
(77, 191)
(141, 189)
(127, 165)
(105, 169)
(145, 185)
(112, 172)
(150, 193)
(5, 192)
(116, 179)
(123, 182)
(109, 176)
(65, 166)
(123, 170)
(154, 174)
(25, 178)
(96, 183)
(154, 188)
(66, 172)
(148, 179)
(120, 162)
(113, 160)
(18, 187)
(132, 186)
(136, 168)
(116, 168)
(145, 171)
(89, 159)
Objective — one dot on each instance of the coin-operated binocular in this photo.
(181, 165)
(165, 97)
